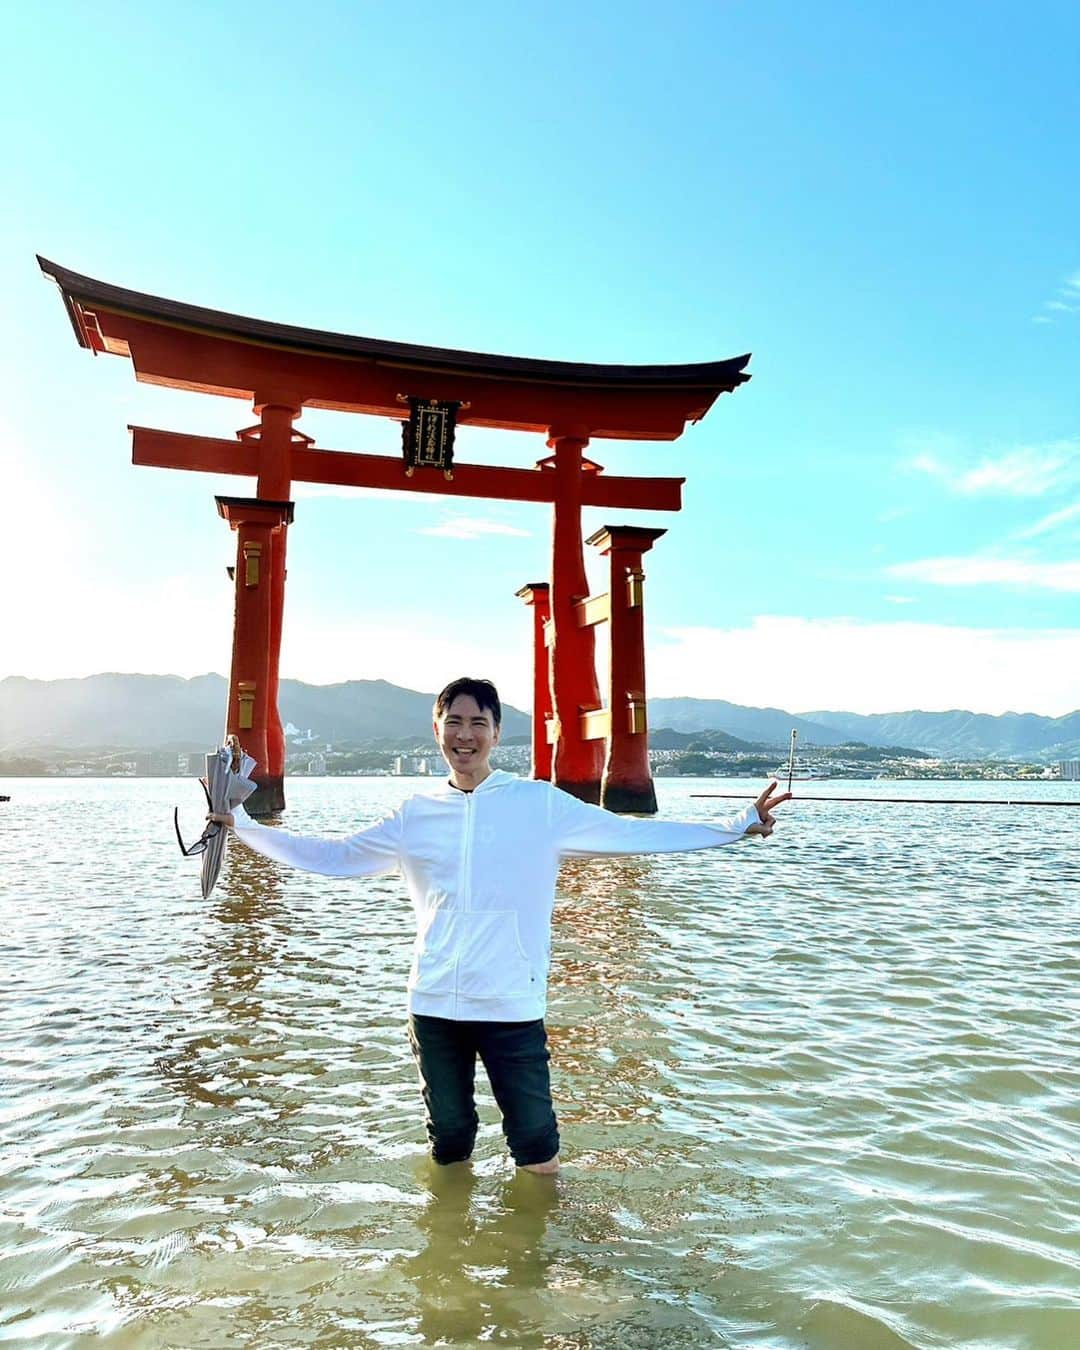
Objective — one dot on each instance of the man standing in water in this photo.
(480, 858)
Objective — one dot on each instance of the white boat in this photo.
(796, 772)
(802, 773)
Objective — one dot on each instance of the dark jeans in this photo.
(515, 1055)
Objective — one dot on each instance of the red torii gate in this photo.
(282, 369)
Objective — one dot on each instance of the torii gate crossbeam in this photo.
(208, 454)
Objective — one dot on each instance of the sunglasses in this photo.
(203, 842)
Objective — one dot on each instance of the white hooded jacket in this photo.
(480, 868)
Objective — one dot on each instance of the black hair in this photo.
(485, 693)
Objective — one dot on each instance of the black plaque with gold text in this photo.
(427, 436)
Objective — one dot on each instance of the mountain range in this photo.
(167, 712)
(949, 735)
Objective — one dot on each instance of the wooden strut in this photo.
(904, 801)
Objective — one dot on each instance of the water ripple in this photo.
(819, 1093)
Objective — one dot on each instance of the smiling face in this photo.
(466, 734)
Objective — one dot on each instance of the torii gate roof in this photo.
(187, 347)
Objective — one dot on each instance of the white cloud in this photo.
(1029, 471)
(462, 527)
(1022, 473)
(900, 599)
(1060, 576)
(51, 611)
(1065, 303)
(70, 626)
(776, 661)
(843, 664)
(64, 617)
(1051, 522)
(183, 626)
(930, 465)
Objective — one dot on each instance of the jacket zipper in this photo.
(463, 884)
(466, 891)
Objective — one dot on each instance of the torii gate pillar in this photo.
(628, 784)
(577, 762)
(537, 595)
(252, 710)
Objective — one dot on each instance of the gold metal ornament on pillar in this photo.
(246, 709)
(252, 556)
(635, 587)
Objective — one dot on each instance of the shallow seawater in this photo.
(819, 1092)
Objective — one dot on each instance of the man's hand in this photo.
(226, 820)
(766, 804)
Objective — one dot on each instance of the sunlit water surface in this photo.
(819, 1092)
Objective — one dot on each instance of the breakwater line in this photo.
(902, 801)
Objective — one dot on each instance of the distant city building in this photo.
(161, 764)
(412, 766)
(317, 765)
(1070, 770)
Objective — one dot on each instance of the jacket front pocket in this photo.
(492, 963)
(476, 954)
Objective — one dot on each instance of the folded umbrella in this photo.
(227, 784)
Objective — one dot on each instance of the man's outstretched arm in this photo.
(587, 831)
(368, 853)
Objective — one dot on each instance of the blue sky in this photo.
(882, 206)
